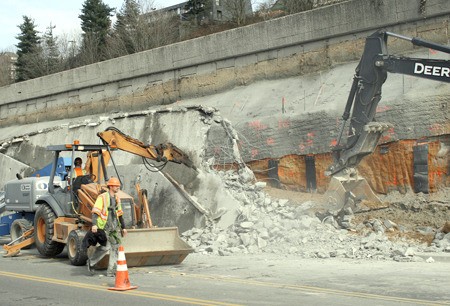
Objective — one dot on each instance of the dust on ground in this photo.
(294, 197)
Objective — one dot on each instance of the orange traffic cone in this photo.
(122, 280)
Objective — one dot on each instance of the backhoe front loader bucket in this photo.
(353, 192)
(151, 247)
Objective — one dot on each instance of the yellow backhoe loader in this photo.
(62, 211)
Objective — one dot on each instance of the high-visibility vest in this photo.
(101, 209)
(78, 172)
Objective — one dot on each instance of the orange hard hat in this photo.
(113, 181)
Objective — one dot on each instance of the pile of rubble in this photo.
(272, 225)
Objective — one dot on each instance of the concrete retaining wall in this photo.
(289, 46)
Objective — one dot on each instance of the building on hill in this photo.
(295, 6)
(7, 68)
(216, 10)
(177, 9)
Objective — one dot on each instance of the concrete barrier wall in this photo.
(292, 45)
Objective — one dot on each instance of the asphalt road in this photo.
(267, 279)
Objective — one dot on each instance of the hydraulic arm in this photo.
(165, 152)
(365, 93)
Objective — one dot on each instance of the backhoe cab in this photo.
(347, 187)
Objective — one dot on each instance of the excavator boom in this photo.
(165, 152)
(365, 94)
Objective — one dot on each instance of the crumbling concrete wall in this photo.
(10, 167)
(200, 196)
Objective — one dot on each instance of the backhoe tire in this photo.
(18, 228)
(44, 220)
(75, 251)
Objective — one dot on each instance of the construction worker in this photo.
(107, 224)
(77, 170)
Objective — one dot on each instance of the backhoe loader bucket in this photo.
(353, 192)
(151, 247)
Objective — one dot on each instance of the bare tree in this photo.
(269, 9)
(89, 52)
(238, 10)
(68, 46)
(139, 27)
(163, 30)
(265, 5)
(264, 9)
(297, 6)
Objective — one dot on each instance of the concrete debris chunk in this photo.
(446, 228)
(260, 185)
(246, 225)
(409, 252)
(262, 243)
(16, 140)
(389, 224)
(430, 260)
(246, 239)
(74, 126)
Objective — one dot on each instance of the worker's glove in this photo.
(94, 228)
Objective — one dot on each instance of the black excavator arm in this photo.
(371, 73)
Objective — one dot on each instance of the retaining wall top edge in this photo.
(342, 18)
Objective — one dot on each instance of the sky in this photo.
(60, 13)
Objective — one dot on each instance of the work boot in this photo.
(110, 274)
(90, 268)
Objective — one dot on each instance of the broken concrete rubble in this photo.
(272, 225)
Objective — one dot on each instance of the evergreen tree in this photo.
(127, 25)
(95, 23)
(27, 50)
